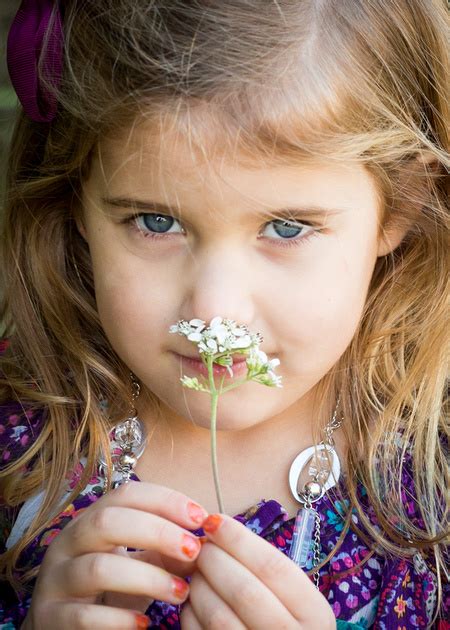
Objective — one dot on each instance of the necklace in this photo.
(128, 440)
(324, 472)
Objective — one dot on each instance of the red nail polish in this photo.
(212, 523)
(179, 587)
(190, 546)
(196, 513)
(142, 621)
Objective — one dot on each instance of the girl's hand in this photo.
(82, 565)
(242, 581)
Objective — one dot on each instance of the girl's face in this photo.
(206, 243)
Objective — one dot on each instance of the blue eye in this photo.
(158, 226)
(159, 223)
(287, 229)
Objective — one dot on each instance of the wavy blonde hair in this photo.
(283, 81)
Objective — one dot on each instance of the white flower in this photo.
(223, 338)
(256, 359)
(198, 323)
(268, 378)
(192, 383)
(195, 336)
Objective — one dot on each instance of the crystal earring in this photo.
(128, 440)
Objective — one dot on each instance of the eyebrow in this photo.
(155, 206)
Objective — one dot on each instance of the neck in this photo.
(178, 455)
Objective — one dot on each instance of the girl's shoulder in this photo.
(20, 424)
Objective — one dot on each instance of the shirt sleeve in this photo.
(18, 428)
(13, 608)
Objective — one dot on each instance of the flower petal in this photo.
(197, 322)
(195, 336)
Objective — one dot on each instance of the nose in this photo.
(220, 282)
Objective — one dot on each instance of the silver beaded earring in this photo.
(128, 440)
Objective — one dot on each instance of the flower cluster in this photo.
(222, 335)
(260, 368)
(220, 340)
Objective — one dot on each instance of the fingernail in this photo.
(179, 587)
(202, 539)
(212, 523)
(190, 546)
(142, 621)
(196, 513)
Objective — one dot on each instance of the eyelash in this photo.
(131, 221)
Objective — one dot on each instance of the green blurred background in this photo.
(8, 99)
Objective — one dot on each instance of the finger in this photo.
(142, 602)
(286, 580)
(173, 565)
(160, 500)
(188, 619)
(105, 529)
(95, 573)
(210, 610)
(80, 616)
(127, 600)
(252, 602)
(146, 497)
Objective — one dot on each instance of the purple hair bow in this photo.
(25, 40)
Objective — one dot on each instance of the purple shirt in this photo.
(383, 593)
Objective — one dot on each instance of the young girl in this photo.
(280, 164)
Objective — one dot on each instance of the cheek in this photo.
(320, 316)
(131, 303)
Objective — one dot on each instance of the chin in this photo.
(226, 420)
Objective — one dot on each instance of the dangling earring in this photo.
(128, 440)
(324, 472)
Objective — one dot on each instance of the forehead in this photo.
(196, 136)
(172, 160)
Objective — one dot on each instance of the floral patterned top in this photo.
(383, 593)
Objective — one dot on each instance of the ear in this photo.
(81, 227)
(391, 238)
(395, 231)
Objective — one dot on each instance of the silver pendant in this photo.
(324, 474)
(319, 469)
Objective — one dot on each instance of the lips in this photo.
(239, 367)
(236, 357)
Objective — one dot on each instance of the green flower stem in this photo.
(214, 401)
(215, 393)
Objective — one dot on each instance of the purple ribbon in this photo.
(24, 48)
